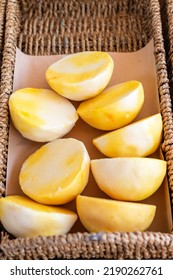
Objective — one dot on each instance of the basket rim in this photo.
(2, 26)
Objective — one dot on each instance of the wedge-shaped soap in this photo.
(106, 215)
(23, 217)
(115, 107)
(57, 172)
(138, 139)
(41, 115)
(130, 179)
(82, 75)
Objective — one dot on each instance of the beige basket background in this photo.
(55, 27)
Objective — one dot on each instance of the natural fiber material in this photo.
(147, 245)
(167, 23)
(7, 69)
(2, 26)
(168, 4)
(51, 27)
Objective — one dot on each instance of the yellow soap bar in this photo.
(106, 215)
(138, 139)
(130, 179)
(82, 75)
(57, 172)
(23, 217)
(41, 115)
(115, 107)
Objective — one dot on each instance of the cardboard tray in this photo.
(62, 27)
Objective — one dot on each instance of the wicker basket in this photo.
(2, 26)
(67, 26)
(168, 27)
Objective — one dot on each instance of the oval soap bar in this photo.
(23, 217)
(113, 108)
(130, 179)
(41, 115)
(138, 139)
(82, 75)
(57, 172)
(107, 215)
